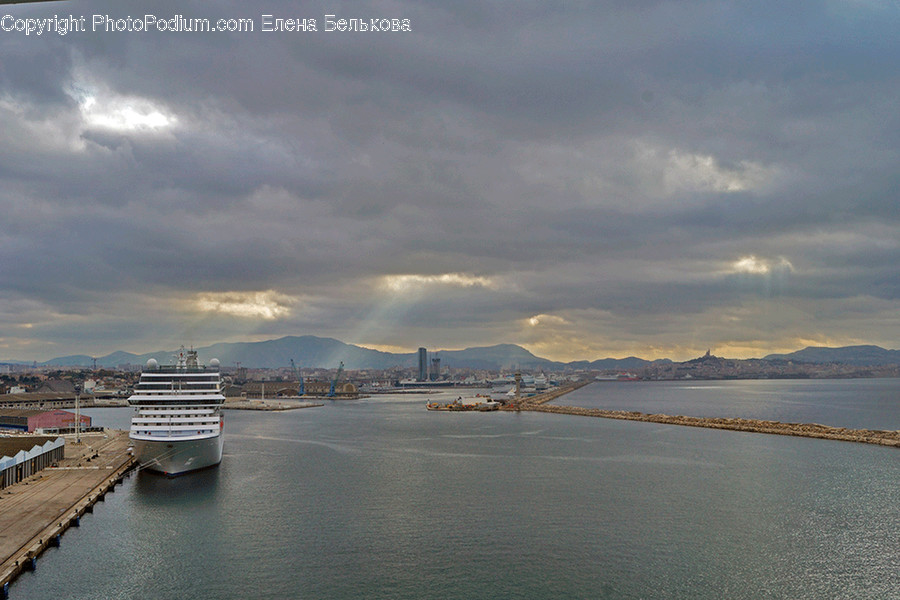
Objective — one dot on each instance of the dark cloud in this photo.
(625, 178)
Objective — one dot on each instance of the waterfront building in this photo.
(435, 368)
(320, 387)
(56, 386)
(31, 420)
(23, 456)
(31, 400)
(269, 389)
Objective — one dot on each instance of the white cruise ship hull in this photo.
(178, 457)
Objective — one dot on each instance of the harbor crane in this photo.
(300, 391)
(335, 380)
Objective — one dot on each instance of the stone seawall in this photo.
(811, 430)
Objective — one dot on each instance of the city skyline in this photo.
(643, 179)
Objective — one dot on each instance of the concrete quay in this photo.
(244, 404)
(35, 512)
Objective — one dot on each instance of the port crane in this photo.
(335, 380)
(300, 391)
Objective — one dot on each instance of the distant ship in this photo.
(177, 425)
(618, 377)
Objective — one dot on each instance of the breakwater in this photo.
(544, 397)
(811, 430)
(879, 437)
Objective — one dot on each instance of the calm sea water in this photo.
(379, 498)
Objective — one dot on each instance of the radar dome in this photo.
(214, 362)
(152, 364)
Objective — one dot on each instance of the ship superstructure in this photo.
(177, 425)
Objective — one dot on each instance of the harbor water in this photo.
(379, 498)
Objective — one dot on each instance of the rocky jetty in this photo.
(812, 430)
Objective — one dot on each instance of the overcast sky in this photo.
(586, 179)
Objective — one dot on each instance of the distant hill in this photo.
(848, 355)
(501, 356)
(309, 351)
(616, 364)
(81, 360)
(316, 352)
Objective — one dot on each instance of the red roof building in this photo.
(30, 420)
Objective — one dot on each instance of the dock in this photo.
(35, 513)
(269, 404)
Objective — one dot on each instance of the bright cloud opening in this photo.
(700, 172)
(750, 264)
(402, 283)
(268, 305)
(124, 113)
(543, 319)
(757, 266)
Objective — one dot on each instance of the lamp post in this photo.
(77, 415)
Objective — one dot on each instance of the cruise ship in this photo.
(177, 424)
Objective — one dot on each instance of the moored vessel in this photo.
(177, 424)
(457, 405)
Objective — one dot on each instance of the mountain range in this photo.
(316, 352)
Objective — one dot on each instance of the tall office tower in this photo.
(423, 364)
(435, 369)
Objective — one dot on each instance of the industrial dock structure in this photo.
(23, 456)
(36, 511)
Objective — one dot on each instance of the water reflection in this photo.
(190, 489)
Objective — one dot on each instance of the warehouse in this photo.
(41, 420)
(23, 456)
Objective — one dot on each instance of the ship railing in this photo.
(184, 401)
(168, 435)
(177, 369)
